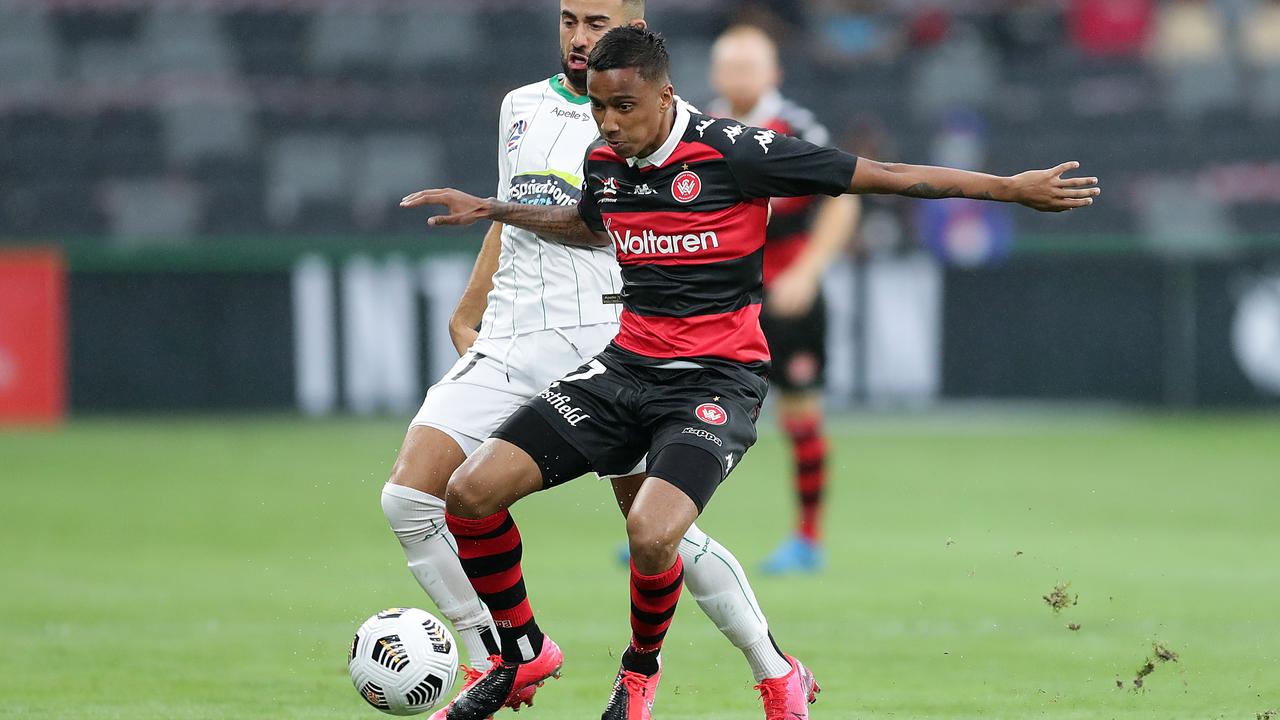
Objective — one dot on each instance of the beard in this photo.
(575, 78)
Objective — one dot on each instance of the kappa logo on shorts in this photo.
(712, 414)
(704, 434)
(687, 186)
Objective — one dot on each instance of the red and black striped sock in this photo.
(653, 604)
(809, 450)
(490, 551)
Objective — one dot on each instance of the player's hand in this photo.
(463, 209)
(792, 293)
(1048, 191)
(463, 337)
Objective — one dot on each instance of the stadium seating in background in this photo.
(29, 52)
(1260, 46)
(1180, 216)
(185, 39)
(388, 164)
(306, 172)
(1189, 47)
(151, 209)
(281, 116)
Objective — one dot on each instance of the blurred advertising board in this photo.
(33, 336)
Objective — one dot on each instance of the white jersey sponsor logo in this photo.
(563, 404)
(538, 189)
(647, 242)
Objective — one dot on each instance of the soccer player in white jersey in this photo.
(541, 309)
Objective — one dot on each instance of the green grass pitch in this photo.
(216, 568)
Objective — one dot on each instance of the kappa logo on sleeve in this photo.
(765, 138)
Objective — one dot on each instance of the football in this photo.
(403, 661)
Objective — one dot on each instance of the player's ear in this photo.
(666, 97)
(639, 23)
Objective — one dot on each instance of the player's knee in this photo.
(471, 493)
(654, 543)
(463, 497)
(425, 466)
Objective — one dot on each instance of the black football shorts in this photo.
(620, 406)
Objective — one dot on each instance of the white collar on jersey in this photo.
(766, 109)
(660, 156)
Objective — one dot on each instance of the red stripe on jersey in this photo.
(687, 238)
(690, 152)
(792, 205)
(733, 336)
(605, 154)
(780, 253)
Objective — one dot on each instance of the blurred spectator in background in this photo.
(1110, 28)
(855, 31)
(804, 236)
(960, 231)
(1190, 49)
(1028, 30)
(1260, 47)
(954, 64)
(1189, 32)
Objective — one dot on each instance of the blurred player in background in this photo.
(805, 235)
(541, 310)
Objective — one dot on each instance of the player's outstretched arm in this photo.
(553, 222)
(1043, 190)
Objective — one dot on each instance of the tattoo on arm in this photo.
(929, 192)
(557, 223)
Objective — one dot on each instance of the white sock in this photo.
(717, 581)
(417, 519)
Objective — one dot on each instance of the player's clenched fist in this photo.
(463, 209)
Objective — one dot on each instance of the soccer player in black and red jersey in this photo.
(684, 199)
(805, 234)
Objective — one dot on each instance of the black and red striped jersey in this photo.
(688, 226)
(792, 217)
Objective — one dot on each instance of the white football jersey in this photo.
(543, 135)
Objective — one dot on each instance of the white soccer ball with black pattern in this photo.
(403, 661)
